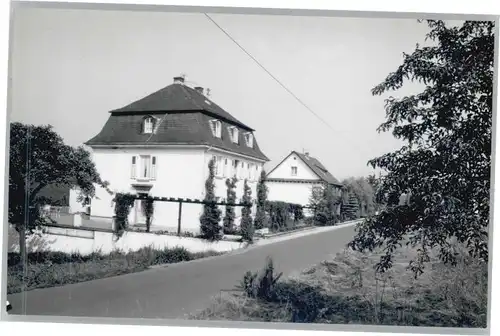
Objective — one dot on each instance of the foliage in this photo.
(297, 211)
(347, 290)
(262, 190)
(261, 285)
(364, 192)
(324, 203)
(148, 212)
(351, 208)
(446, 162)
(210, 227)
(283, 215)
(40, 159)
(228, 222)
(246, 226)
(49, 269)
(123, 204)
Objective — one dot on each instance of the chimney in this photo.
(179, 80)
(306, 155)
(199, 89)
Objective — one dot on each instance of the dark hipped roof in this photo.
(317, 167)
(179, 98)
(182, 119)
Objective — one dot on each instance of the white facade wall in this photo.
(284, 170)
(248, 168)
(290, 192)
(180, 173)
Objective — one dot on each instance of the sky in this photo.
(71, 67)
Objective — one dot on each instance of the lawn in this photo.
(347, 290)
(49, 269)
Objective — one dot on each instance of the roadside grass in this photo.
(347, 290)
(50, 269)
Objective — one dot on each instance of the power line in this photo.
(269, 73)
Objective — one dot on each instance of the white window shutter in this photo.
(153, 167)
(134, 167)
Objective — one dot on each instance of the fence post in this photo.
(179, 219)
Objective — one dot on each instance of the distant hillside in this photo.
(58, 195)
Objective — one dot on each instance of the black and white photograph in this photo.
(216, 166)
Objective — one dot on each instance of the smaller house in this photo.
(293, 179)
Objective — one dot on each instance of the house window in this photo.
(236, 165)
(233, 133)
(250, 172)
(145, 168)
(148, 125)
(249, 139)
(217, 165)
(216, 126)
(226, 168)
(145, 171)
(294, 171)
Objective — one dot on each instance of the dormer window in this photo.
(216, 127)
(249, 139)
(233, 133)
(148, 125)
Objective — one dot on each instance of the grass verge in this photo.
(50, 269)
(347, 290)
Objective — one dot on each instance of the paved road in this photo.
(178, 289)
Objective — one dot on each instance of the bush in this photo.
(347, 290)
(284, 215)
(260, 286)
(210, 227)
(228, 221)
(246, 226)
(49, 269)
(260, 221)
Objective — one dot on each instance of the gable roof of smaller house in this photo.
(316, 166)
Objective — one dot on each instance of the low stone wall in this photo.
(86, 241)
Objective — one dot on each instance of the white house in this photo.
(161, 145)
(293, 179)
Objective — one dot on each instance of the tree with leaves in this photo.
(262, 190)
(364, 192)
(40, 159)
(324, 204)
(246, 226)
(228, 221)
(378, 198)
(210, 227)
(446, 160)
(351, 207)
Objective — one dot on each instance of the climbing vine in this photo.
(148, 212)
(123, 203)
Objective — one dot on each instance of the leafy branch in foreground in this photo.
(445, 165)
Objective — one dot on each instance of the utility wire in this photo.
(269, 73)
